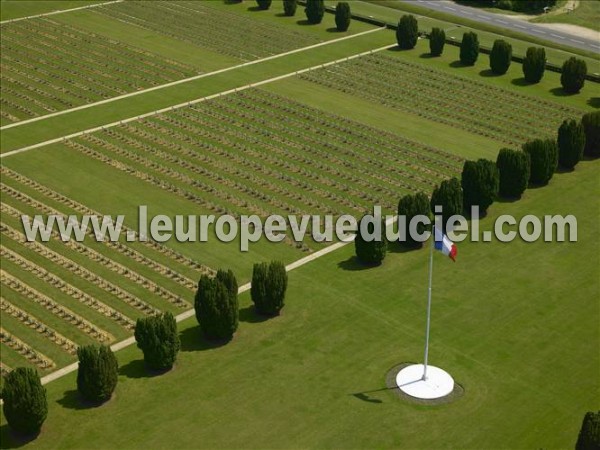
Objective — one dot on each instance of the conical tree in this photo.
(500, 57)
(289, 7)
(97, 374)
(216, 307)
(269, 285)
(469, 49)
(514, 170)
(572, 78)
(448, 195)
(591, 127)
(534, 64)
(370, 251)
(589, 435)
(543, 155)
(25, 404)
(479, 183)
(571, 143)
(342, 16)
(437, 40)
(411, 206)
(407, 32)
(158, 339)
(315, 9)
(264, 4)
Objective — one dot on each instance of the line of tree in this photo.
(343, 15)
(437, 40)
(500, 57)
(407, 32)
(158, 339)
(269, 284)
(315, 9)
(216, 305)
(97, 374)
(469, 49)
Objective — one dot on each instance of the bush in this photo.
(505, 4)
(500, 57)
(437, 40)
(543, 156)
(479, 182)
(157, 337)
(269, 283)
(289, 7)
(411, 206)
(216, 306)
(370, 252)
(514, 171)
(315, 9)
(25, 404)
(573, 75)
(97, 374)
(534, 64)
(469, 49)
(449, 196)
(571, 142)
(407, 33)
(264, 4)
(591, 127)
(342, 16)
(589, 435)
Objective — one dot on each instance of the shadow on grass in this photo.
(500, 199)
(333, 30)
(72, 400)
(249, 315)
(594, 102)
(560, 92)
(9, 439)
(254, 8)
(399, 247)
(458, 65)
(427, 56)
(397, 48)
(353, 264)
(281, 14)
(520, 82)
(192, 340)
(489, 73)
(303, 22)
(138, 369)
(365, 397)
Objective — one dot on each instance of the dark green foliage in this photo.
(543, 155)
(97, 374)
(411, 206)
(534, 64)
(479, 181)
(514, 172)
(269, 283)
(591, 127)
(500, 57)
(25, 404)
(342, 16)
(289, 7)
(589, 435)
(437, 40)
(157, 337)
(571, 142)
(573, 75)
(407, 33)
(469, 49)
(264, 4)
(216, 306)
(370, 252)
(314, 11)
(529, 6)
(449, 196)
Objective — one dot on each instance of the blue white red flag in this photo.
(444, 244)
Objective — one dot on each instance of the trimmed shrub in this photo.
(469, 49)
(98, 373)
(479, 182)
(264, 4)
(437, 40)
(315, 9)
(573, 75)
(543, 155)
(157, 337)
(407, 33)
(571, 142)
(370, 252)
(534, 64)
(412, 206)
(289, 7)
(591, 127)
(449, 196)
(342, 16)
(514, 171)
(589, 435)
(269, 283)
(500, 57)
(216, 306)
(25, 404)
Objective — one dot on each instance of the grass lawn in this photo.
(13, 9)
(515, 324)
(587, 14)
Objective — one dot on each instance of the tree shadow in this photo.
(138, 369)
(249, 315)
(458, 64)
(72, 400)
(397, 48)
(427, 56)
(255, 8)
(10, 439)
(560, 92)
(192, 340)
(501, 199)
(353, 264)
(232, 2)
(333, 30)
(402, 247)
(522, 82)
(303, 22)
(489, 73)
(281, 14)
(594, 102)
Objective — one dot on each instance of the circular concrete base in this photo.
(438, 384)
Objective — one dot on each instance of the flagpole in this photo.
(429, 303)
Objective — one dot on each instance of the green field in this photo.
(587, 14)
(515, 324)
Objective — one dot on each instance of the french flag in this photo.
(445, 245)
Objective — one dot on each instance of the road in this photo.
(466, 12)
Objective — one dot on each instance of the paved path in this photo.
(187, 80)
(60, 11)
(193, 102)
(532, 29)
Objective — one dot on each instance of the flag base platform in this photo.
(438, 384)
